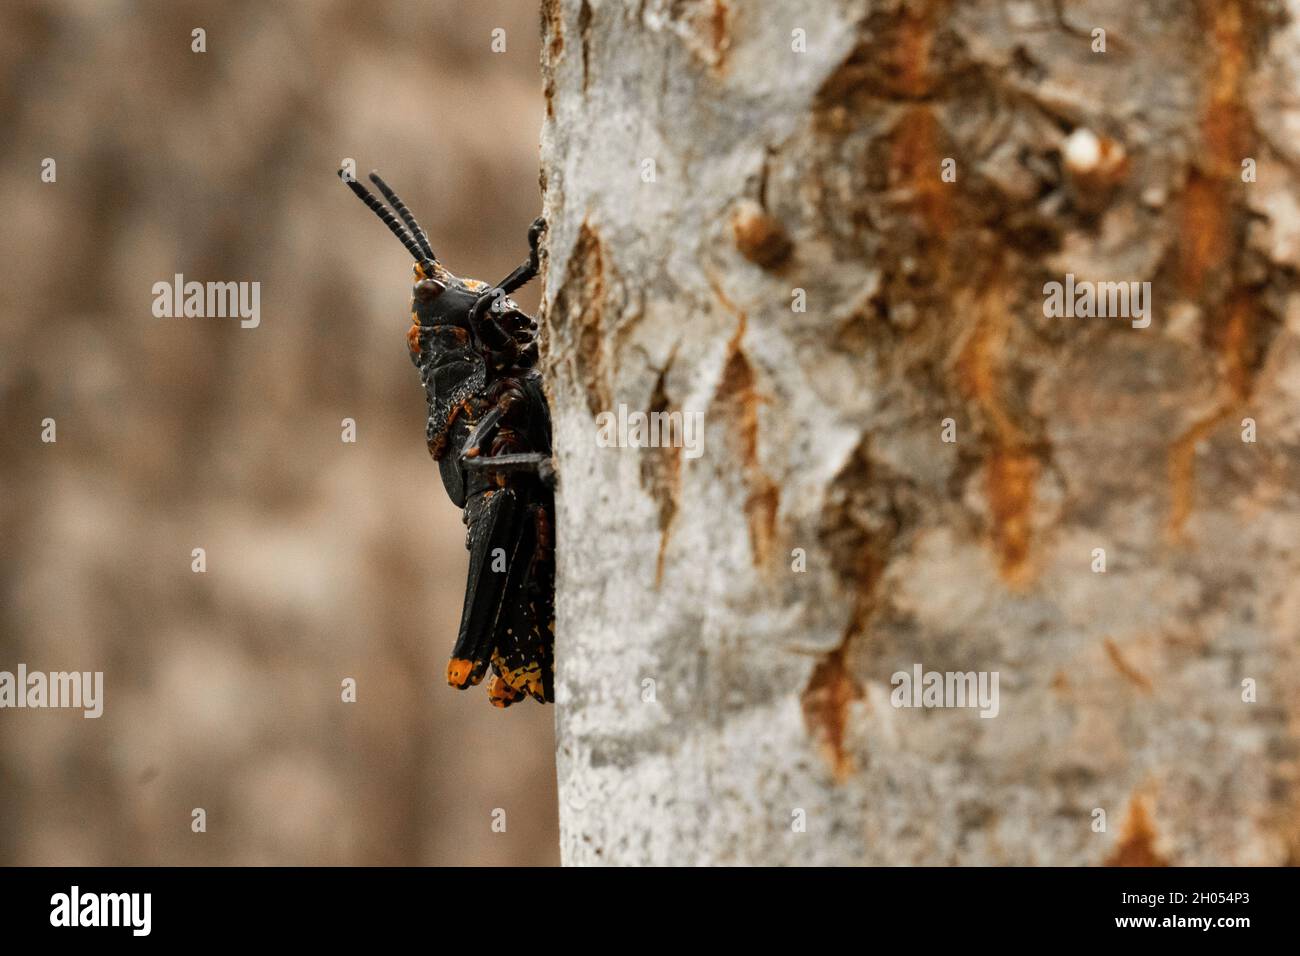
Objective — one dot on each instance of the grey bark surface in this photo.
(718, 705)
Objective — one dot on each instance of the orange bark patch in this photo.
(1182, 471)
(737, 399)
(1203, 239)
(1011, 469)
(720, 32)
(914, 149)
(661, 473)
(915, 43)
(1236, 346)
(1012, 474)
(1212, 231)
(832, 687)
(705, 28)
(1226, 123)
(1211, 222)
(1137, 839)
(914, 161)
(825, 704)
(579, 313)
(894, 59)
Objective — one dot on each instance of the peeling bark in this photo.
(713, 694)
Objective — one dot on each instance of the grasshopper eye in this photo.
(426, 290)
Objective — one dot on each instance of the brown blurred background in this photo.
(325, 560)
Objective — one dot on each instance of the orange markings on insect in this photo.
(501, 694)
(438, 443)
(413, 339)
(526, 679)
(458, 671)
(543, 526)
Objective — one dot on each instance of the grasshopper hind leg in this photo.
(493, 520)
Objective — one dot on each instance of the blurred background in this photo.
(325, 560)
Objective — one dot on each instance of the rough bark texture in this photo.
(777, 170)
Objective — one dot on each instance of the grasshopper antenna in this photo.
(387, 217)
(417, 230)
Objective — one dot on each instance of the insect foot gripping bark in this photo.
(490, 433)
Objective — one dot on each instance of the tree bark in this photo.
(951, 465)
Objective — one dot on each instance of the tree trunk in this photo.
(829, 227)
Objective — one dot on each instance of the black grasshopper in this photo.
(490, 432)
